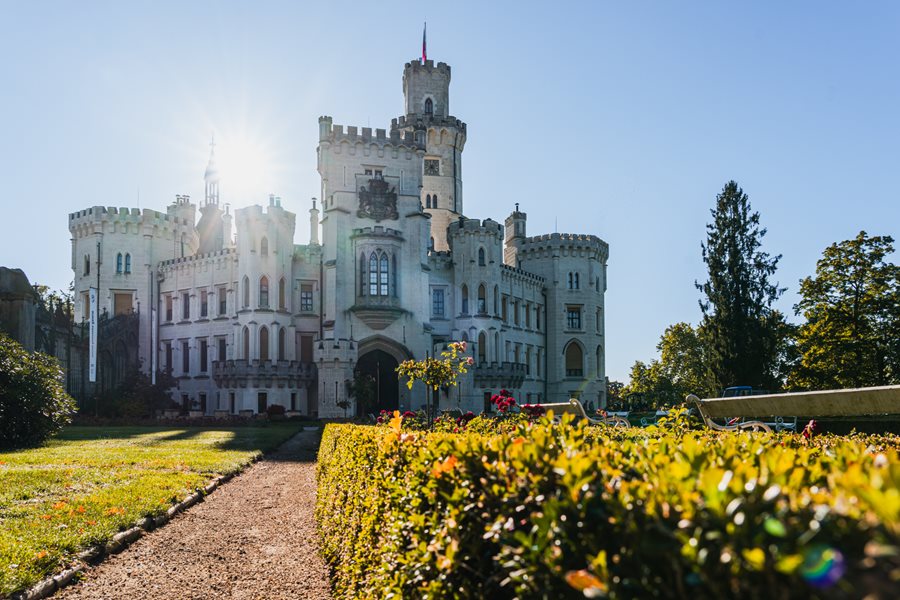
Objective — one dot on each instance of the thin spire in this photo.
(424, 44)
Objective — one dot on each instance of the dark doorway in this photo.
(382, 366)
(262, 401)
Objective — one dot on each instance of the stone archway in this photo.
(379, 358)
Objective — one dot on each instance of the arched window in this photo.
(497, 347)
(599, 361)
(481, 257)
(87, 264)
(373, 275)
(465, 299)
(127, 264)
(246, 343)
(119, 262)
(264, 246)
(429, 106)
(264, 292)
(246, 291)
(362, 274)
(574, 360)
(428, 201)
(482, 348)
(394, 275)
(577, 284)
(465, 337)
(570, 280)
(281, 298)
(281, 343)
(496, 301)
(383, 276)
(434, 201)
(482, 302)
(263, 343)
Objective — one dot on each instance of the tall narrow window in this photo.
(577, 284)
(264, 246)
(87, 264)
(185, 306)
(185, 358)
(428, 201)
(482, 301)
(482, 348)
(384, 275)
(204, 355)
(373, 275)
(263, 343)
(119, 262)
(434, 203)
(204, 303)
(221, 354)
(246, 292)
(465, 299)
(281, 343)
(429, 106)
(437, 302)
(127, 263)
(481, 257)
(168, 307)
(223, 301)
(264, 292)
(574, 360)
(168, 347)
(246, 337)
(306, 297)
(281, 294)
(362, 274)
(394, 275)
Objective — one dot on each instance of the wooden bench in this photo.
(574, 407)
(884, 400)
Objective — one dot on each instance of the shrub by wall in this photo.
(33, 403)
(563, 511)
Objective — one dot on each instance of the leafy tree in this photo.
(737, 309)
(679, 371)
(363, 389)
(33, 402)
(852, 311)
(137, 396)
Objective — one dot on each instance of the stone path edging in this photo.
(94, 555)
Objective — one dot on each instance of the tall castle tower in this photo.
(211, 227)
(426, 94)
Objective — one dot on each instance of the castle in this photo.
(393, 270)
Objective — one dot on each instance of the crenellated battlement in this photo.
(83, 222)
(429, 65)
(335, 134)
(569, 242)
(376, 231)
(330, 350)
(465, 225)
(196, 258)
(421, 121)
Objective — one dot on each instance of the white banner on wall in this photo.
(93, 331)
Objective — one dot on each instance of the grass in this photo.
(92, 482)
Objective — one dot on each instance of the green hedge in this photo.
(563, 511)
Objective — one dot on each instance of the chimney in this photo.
(314, 224)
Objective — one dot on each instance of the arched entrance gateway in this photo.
(379, 358)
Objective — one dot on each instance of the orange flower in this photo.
(59, 506)
(91, 522)
(443, 467)
(114, 511)
(40, 555)
(80, 509)
(47, 517)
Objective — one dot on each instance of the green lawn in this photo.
(92, 482)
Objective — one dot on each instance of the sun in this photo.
(246, 167)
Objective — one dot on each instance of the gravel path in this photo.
(254, 537)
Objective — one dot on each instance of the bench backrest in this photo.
(572, 407)
(828, 403)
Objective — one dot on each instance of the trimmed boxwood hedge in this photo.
(565, 511)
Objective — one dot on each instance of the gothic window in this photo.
(570, 280)
(383, 276)
(223, 301)
(428, 201)
(434, 201)
(119, 262)
(497, 347)
(204, 303)
(306, 298)
(169, 303)
(573, 317)
(465, 299)
(185, 306)
(362, 274)
(264, 292)
(185, 358)
(482, 348)
(246, 292)
(281, 343)
(496, 301)
(437, 302)
(246, 337)
(373, 275)
(263, 343)
(87, 264)
(429, 106)
(264, 246)
(281, 298)
(394, 272)
(481, 257)
(204, 355)
(577, 284)
(127, 263)
(432, 166)
(574, 360)
(482, 301)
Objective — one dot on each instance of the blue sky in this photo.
(619, 119)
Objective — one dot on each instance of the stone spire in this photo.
(211, 177)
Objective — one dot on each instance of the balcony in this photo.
(263, 373)
(377, 311)
(506, 374)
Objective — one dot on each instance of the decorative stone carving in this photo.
(378, 201)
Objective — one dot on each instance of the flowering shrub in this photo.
(410, 421)
(533, 411)
(568, 511)
(437, 372)
(503, 401)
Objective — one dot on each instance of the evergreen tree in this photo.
(851, 337)
(738, 325)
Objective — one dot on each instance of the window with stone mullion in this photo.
(373, 275)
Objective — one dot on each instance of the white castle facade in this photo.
(393, 270)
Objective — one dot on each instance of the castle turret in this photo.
(426, 92)
(211, 226)
(515, 234)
